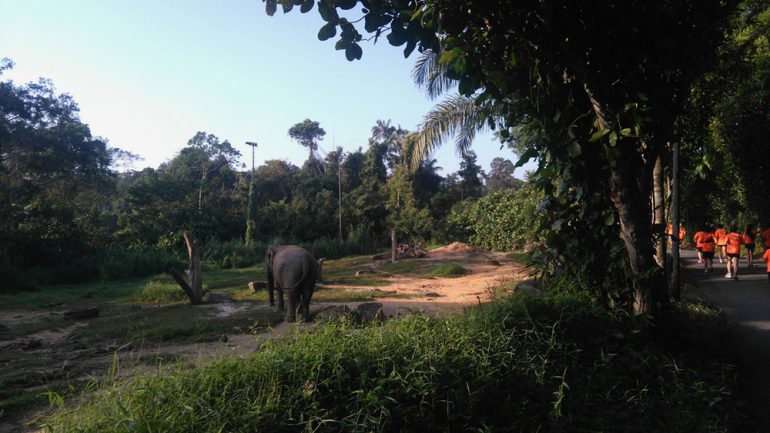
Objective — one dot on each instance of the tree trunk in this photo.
(393, 245)
(193, 290)
(635, 232)
(659, 211)
(630, 181)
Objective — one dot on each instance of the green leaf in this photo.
(513, 60)
(329, 30)
(342, 44)
(353, 52)
(271, 6)
(346, 4)
(307, 5)
(609, 219)
(525, 157)
(625, 132)
(396, 38)
(613, 138)
(410, 46)
(574, 150)
(598, 135)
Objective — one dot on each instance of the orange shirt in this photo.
(699, 238)
(748, 238)
(708, 243)
(734, 241)
(721, 236)
(767, 258)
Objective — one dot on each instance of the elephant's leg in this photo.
(281, 306)
(291, 313)
(306, 305)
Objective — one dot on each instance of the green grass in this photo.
(175, 322)
(557, 365)
(518, 256)
(447, 270)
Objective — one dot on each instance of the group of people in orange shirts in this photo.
(727, 246)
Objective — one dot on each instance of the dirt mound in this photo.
(455, 248)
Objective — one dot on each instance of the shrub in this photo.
(528, 365)
(233, 253)
(160, 292)
(109, 265)
(447, 270)
(500, 221)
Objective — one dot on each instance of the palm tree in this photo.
(459, 117)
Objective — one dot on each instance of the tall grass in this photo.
(523, 366)
(108, 265)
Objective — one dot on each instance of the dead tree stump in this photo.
(193, 289)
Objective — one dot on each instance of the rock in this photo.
(370, 312)
(334, 312)
(32, 344)
(530, 287)
(216, 298)
(89, 313)
(255, 286)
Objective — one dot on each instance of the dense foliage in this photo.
(516, 366)
(67, 214)
(595, 91)
(501, 221)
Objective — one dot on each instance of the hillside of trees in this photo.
(68, 207)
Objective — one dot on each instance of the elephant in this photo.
(292, 269)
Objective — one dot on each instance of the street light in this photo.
(253, 145)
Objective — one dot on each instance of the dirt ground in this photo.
(53, 357)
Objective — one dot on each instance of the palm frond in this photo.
(457, 116)
(429, 75)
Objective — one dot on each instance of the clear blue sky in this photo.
(149, 74)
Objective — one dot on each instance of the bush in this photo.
(233, 253)
(109, 265)
(160, 292)
(532, 365)
(501, 221)
(447, 270)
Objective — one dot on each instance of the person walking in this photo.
(699, 237)
(748, 240)
(720, 235)
(733, 242)
(767, 259)
(708, 245)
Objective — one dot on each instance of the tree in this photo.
(251, 216)
(308, 133)
(500, 176)
(470, 176)
(593, 89)
(55, 179)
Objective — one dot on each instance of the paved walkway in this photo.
(746, 303)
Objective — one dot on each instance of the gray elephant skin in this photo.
(293, 270)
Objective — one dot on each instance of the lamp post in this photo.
(253, 145)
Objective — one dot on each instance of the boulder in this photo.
(255, 286)
(216, 298)
(88, 313)
(370, 312)
(530, 287)
(334, 312)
